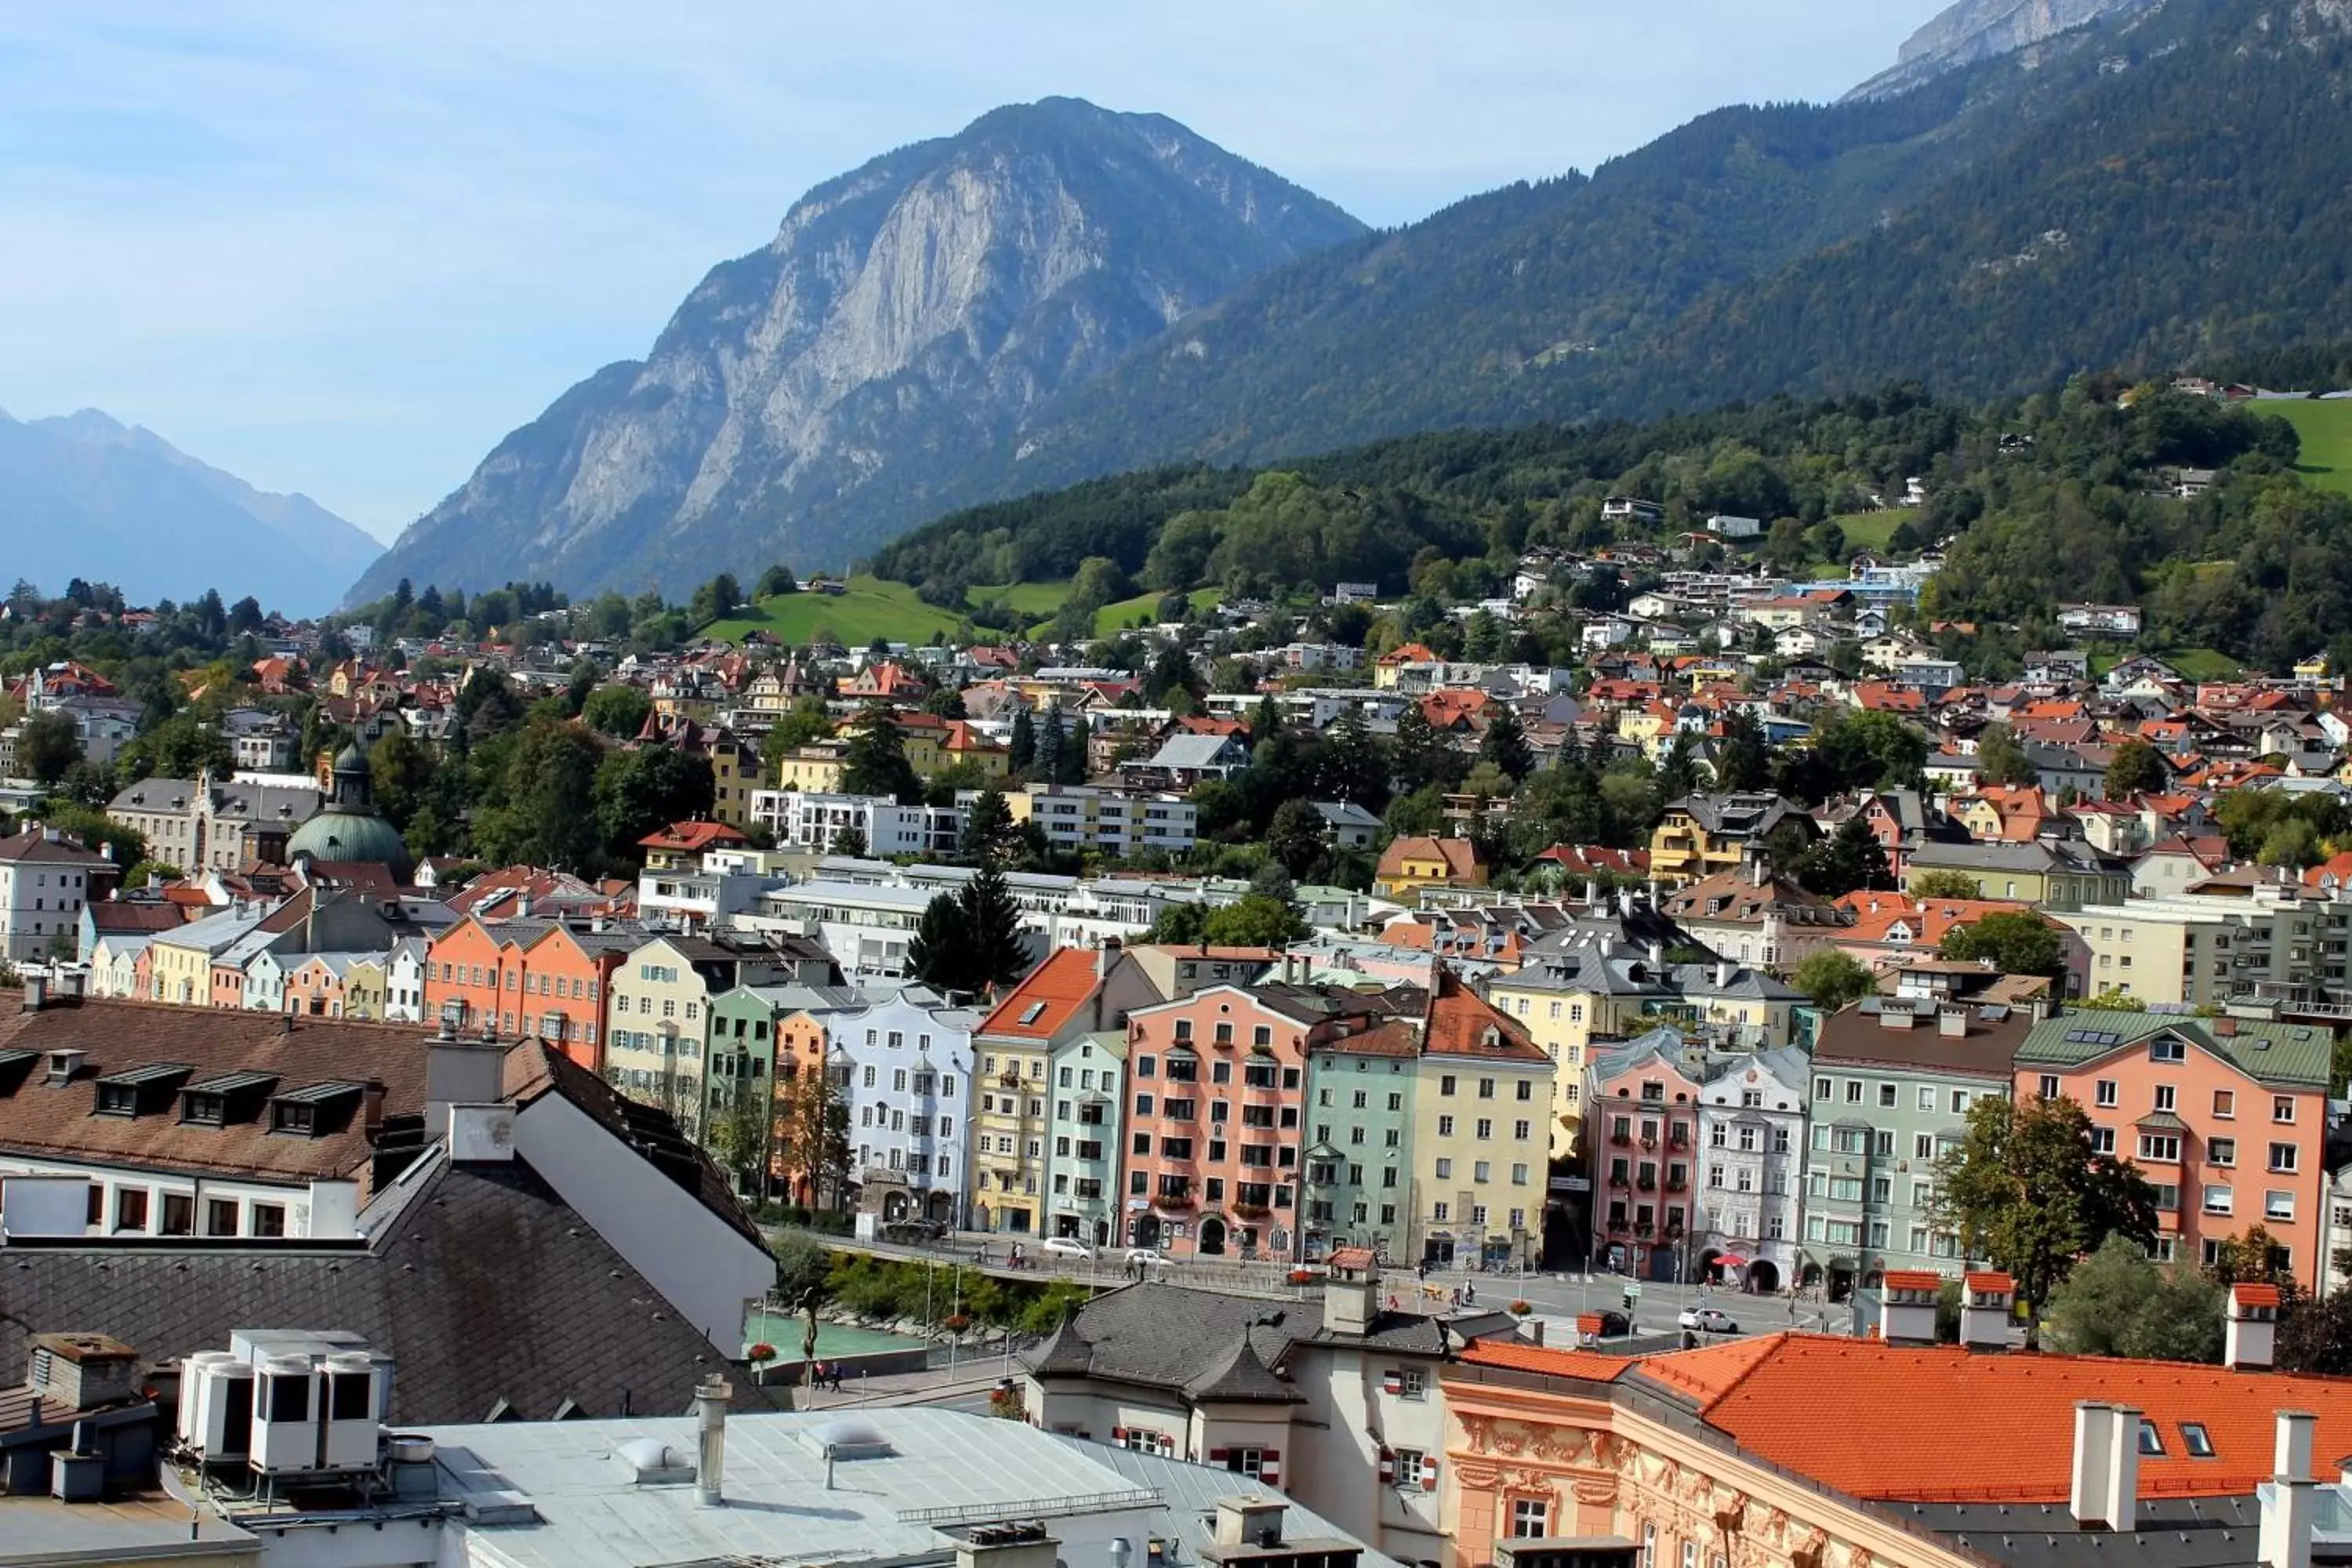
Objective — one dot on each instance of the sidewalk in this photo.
(925, 1387)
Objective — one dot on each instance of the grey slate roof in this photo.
(1170, 1337)
(479, 1281)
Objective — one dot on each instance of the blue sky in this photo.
(344, 248)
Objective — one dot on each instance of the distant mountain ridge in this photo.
(812, 397)
(83, 495)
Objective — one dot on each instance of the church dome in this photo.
(349, 827)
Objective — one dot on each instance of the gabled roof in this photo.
(1038, 1007)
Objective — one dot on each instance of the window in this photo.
(2151, 1441)
(269, 1219)
(131, 1209)
(2165, 1048)
(2165, 1097)
(2278, 1206)
(179, 1213)
(1413, 1382)
(1409, 1464)
(220, 1217)
(2283, 1158)
(2225, 1103)
(1886, 1095)
(1531, 1519)
(1445, 1127)
(1445, 1084)
(1445, 1170)
(2103, 1140)
(2220, 1151)
(1821, 1088)
(2106, 1092)
(1853, 1091)
(2195, 1441)
(2283, 1107)
(2162, 1146)
(2048, 1086)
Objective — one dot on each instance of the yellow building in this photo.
(1013, 1047)
(813, 770)
(1410, 864)
(366, 988)
(1703, 834)
(735, 772)
(1480, 1149)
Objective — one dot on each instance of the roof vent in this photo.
(847, 1439)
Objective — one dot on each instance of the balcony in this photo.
(1676, 1184)
(1622, 1140)
(1174, 1202)
(1009, 1080)
(1646, 1183)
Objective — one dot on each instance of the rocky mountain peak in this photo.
(1973, 30)
(810, 399)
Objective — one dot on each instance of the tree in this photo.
(540, 806)
(2016, 941)
(1930, 885)
(997, 952)
(1070, 768)
(776, 580)
(1255, 922)
(803, 1285)
(935, 953)
(1053, 739)
(1272, 881)
(1294, 839)
(988, 834)
(2315, 1336)
(2027, 1188)
(850, 841)
(740, 1131)
(400, 770)
(2119, 1303)
(2136, 768)
(47, 745)
(1505, 745)
(1742, 763)
(2001, 759)
(876, 762)
(1848, 861)
(1181, 925)
(619, 711)
(1833, 979)
(644, 791)
(1353, 767)
(1020, 747)
(812, 1135)
(2253, 1257)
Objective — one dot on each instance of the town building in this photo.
(2226, 1116)
(1409, 865)
(1701, 835)
(47, 880)
(549, 978)
(658, 1002)
(1751, 1119)
(903, 1068)
(2058, 874)
(1119, 823)
(2280, 946)
(1642, 1135)
(1012, 1112)
(208, 824)
(1892, 1083)
(1359, 1155)
(1480, 1144)
(1085, 1133)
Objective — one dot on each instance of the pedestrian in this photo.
(1457, 1295)
(837, 1377)
(1470, 1294)
(817, 1373)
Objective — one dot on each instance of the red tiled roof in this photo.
(1057, 988)
(691, 836)
(1517, 1355)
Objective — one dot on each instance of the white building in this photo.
(811, 820)
(1751, 1122)
(45, 880)
(903, 1066)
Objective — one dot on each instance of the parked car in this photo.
(913, 1232)
(1614, 1324)
(1707, 1320)
(1062, 1246)
(1150, 1255)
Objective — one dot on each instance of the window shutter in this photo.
(1269, 1467)
(1220, 1456)
(1429, 1474)
(1119, 1433)
(1388, 1467)
(1391, 1381)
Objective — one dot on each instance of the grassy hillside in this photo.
(872, 608)
(2326, 431)
(1139, 611)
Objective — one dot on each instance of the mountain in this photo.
(85, 496)
(2163, 187)
(1975, 30)
(811, 398)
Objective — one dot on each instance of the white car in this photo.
(1146, 1255)
(1062, 1246)
(1707, 1320)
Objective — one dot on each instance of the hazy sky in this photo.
(344, 248)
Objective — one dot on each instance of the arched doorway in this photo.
(939, 1206)
(894, 1207)
(1763, 1277)
(1144, 1230)
(1102, 1233)
(1212, 1243)
(1707, 1270)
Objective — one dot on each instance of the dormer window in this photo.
(204, 1109)
(287, 1116)
(118, 1099)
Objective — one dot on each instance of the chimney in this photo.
(1896, 1013)
(1350, 1305)
(1909, 1307)
(1723, 968)
(2223, 1027)
(1020, 1545)
(710, 1397)
(37, 993)
(2290, 1498)
(2104, 1494)
(459, 1072)
(2250, 1327)
(334, 1208)
(1250, 1520)
(1106, 956)
(1657, 956)
(1952, 1023)
(1985, 1298)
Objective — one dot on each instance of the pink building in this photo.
(1641, 1126)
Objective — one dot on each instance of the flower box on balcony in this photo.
(1675, 1184)
(1251, 1211)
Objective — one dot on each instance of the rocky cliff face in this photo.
(810, 399)
(1975, 30)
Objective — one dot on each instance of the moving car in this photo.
(1145, 1255)
(1062, 1246)
(1707, 1320)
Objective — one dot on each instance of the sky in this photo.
(344, 248)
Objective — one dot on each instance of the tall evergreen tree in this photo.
(1071, 767)
(1505, 744)
(876, 762)
(994, 952)
(937, 955)
(988, 834)
(1053, 739)
(1022, 748)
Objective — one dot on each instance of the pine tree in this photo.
(995, 951)
(1071, 765)
(1022, 746)
(876, 762)
(1052, 739)
(988, 834)
(850, 841)
(938, 954)
(1505, 744)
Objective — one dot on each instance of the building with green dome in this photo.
(349, 827)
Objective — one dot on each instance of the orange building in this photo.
(551, 979)
(2227, 1117)
(1810, 1451)
(799, 1103)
